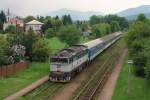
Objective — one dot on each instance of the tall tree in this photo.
(66, 19)
(47, 24)
(2, 19)
(114, 26)
(94, 20)
(69, 34)
(142, 17)
(29, 18)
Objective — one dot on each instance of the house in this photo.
(35, 26)
(12, 20)
(86, 33)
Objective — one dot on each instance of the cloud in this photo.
(36, 7)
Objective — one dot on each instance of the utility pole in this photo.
(130, 62)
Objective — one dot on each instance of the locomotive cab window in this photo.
(59, 60)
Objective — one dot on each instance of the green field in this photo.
(23, 78)
(35, 71)
(139, 87)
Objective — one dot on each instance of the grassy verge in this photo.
(139, 88)
(23, 78)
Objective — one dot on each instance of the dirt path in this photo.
(109, 87)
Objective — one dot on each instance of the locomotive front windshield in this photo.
(59, 60)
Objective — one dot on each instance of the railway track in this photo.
(97, 81)
(44, 92)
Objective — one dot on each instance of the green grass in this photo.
(139, 88)
(23, 78)
(54, 44)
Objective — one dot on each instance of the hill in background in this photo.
(132, 13)
(75, 15)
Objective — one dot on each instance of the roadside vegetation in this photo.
(137, 88)
(138, 41)
(12, 84)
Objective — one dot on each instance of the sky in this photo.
(39, 7)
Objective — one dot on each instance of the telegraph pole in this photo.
(130, 62)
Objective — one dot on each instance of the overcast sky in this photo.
(37, 7)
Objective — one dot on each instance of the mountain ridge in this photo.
(135, 11)
(75, 14)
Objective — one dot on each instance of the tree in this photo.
(66, 19)
(49, 33)
(138, 41)
(40, 50)
(57, 17)
(114, 26)
(11, 29)
(101, 29)
(146, 52)
(47, 24)
(40, 18)
(69, 19)
(25, 40)
(94, 20)
(69, 34)
(123, 23)
(56, 24)
(142, 17)
(2, 19)
(3, 51)
(29, 18)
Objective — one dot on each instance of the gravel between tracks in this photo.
(109, 87)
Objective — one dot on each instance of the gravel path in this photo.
(109, 87)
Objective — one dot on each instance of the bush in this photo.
(49, 33)
(4, 51)
(40, 51)
(11, 29)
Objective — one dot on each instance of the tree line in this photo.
(138, 41)
(103, 25)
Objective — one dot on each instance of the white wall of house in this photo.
(36, 26)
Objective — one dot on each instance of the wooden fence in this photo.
(12, 69)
